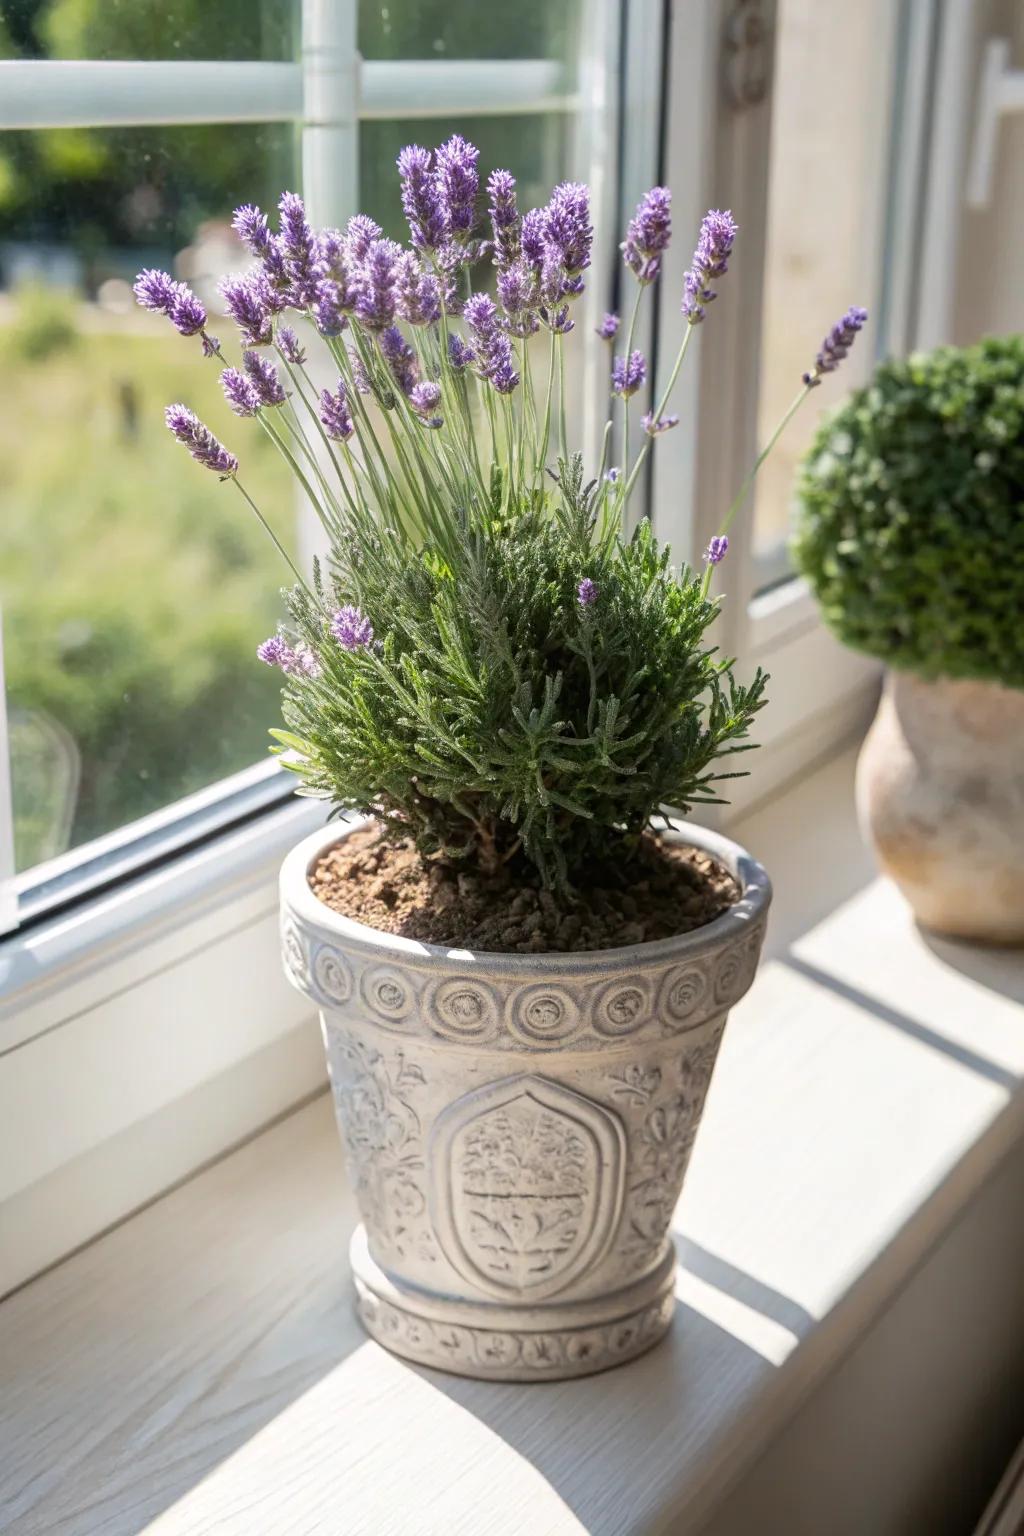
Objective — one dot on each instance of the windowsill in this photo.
(851, 1258)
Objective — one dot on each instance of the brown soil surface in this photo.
(669, 889)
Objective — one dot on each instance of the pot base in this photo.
(546, 1342)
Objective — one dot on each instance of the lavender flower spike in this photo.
(288, 345)
(717, 549)
(420, 199)
(501, 191)
(264, 378)
(628, 374)
(276, 652)
(493, 348)
(400, 358)
(457, 183)
(567, 225)
(710, 260)
(250, 225)
(199, 440)
(609, 328)
(351, 628)
(239, 392)
(655, 428)
(157, 291)
(334, 413)
(586, 592)
(836, 345)
(360, 233)
(378, 285)
(648, 234)
(246, 302)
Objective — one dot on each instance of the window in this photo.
(132, 589)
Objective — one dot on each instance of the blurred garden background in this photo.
(134, 587)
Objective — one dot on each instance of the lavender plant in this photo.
(486, 662)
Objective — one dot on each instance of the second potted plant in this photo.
(911, 532)
(523, 976)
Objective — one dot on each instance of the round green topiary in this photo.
(911, 514)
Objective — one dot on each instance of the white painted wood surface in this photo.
(198, 1370)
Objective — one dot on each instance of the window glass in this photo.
(824, 245)
(133, 585)
(148, 29)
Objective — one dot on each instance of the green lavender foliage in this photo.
(496, 711)
(911, 514)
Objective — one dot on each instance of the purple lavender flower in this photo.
(613, 475)
(299, 243)
(457, 183)
(648, 234)
(264, 377)
(290, 349)
(252, 228)
(420, 198)
(836, 345)
(199, 440)
(351, 628)
(567, 225)
(717, 549)
(377, 295)
(400, 358)
(558, 321)
(360, 377)
(239, 392)
(517, 291)
(272, 276)
(327, 308)
(330, 252)
(501, 189)
(245, 300)
(531, 237)
(655, 428)
(425, 397)
(628, 374)
(418, 295)
(334, 413)
(493, 349)
(187, 315)
(459, 354)
(586, 592)
(276, 652)
(307, 661)
(710, 260)
(157, 291)
(360, 233)
(609, 328)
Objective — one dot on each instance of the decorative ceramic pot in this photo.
(940, 792)
(518, 1126)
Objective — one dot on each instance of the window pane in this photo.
(133, 584)
(149, 29)
(827, 189)
(463, 29)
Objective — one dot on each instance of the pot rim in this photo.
(297, 895)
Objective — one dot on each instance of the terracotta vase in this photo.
(518, 1127)
(940, 794)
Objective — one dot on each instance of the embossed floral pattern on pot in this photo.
(518, 1127)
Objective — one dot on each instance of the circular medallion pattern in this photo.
(463, 1010)
(736, 969)
(387, 993)
(682, 992)
(544, 1014)
(332, 975)
(294, 953)
(621, 1008)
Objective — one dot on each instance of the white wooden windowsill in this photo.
(848, 1227)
